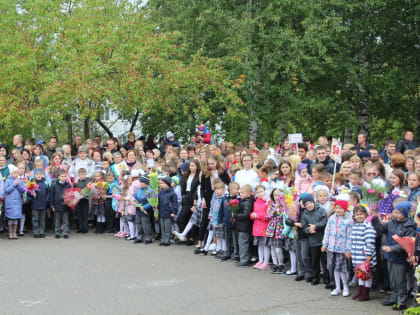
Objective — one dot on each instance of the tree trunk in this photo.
(283, 130)
(69, 124)
(253, 130)
(54, 129)
(362, 111)
(104, 127)
(133, 123)
(86, 129)
(348, 134)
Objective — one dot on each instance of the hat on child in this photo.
(184, 166)
(358, 190)
(167, 180)
(145, 179)
(404, 207)
(12, 168)
(38, 170)
(39, 142)
(343, 204)
(169, 135)
(308, 198)
(303, 196)
(175, 179)
(136, 172)
(301, 167)
(364, 154)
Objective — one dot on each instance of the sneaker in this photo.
(65, 236)
(264, 266)
(137, 241)
(346, 292)
(148, 242)
(179, 236)
(335, 292)
(118, 234)
(57, 236)
(399, 307)
(257, 265)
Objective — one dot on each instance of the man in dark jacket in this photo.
(313, 220)
(323, 158)
(39, 204)
(243, 224)
(401, 225)
(61, 211)
(408, 143)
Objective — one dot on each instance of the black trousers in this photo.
(83, 214)
(185, 213)
(318, 257)
(109, 218)
(204, 223)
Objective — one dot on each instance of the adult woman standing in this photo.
(189, 185)
(213, 170)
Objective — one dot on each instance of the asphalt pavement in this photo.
(100, 274)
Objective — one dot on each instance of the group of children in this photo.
(293, 213)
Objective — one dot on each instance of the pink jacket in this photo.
(128, 207)
(303, 185)
(261, 222)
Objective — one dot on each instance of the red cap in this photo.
(343, 204)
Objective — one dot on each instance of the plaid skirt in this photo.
(276, 242)
(219, 232)
(196, 216)
(337, 262)
(290, 244)
(260, 240)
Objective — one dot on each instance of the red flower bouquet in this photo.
(363, 271)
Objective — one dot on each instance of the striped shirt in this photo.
(363, 243)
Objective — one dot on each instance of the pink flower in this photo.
(381, 195)
(371, 191)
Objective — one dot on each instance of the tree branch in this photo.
(133, 123)
(104, 127)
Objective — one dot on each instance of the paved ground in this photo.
(99, 274)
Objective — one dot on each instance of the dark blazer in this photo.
(206, 190)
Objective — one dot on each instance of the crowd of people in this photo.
(267, 208)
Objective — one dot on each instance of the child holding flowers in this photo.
(39, 200)
(82, 208)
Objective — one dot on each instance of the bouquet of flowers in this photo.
(363, 271)
(72, 197)
(233, 205)
(89, 191)
(31, 187)
(289, 201)
(372, 194)
(408, 243)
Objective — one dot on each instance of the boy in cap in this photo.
(168, 208)
(39, 204)
(143, 210)
(402, 225)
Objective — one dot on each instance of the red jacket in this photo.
(261, 222)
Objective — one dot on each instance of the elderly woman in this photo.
(82, 161)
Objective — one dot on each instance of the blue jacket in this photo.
(41, 199)
(1, 187)
(141, 197)
(413, 194)
(56, 196)
(168, 203)
(12, 198)
(225, 213)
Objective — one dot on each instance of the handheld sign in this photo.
(295, 138)
(336, 153)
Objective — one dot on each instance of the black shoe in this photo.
(315, 282)
(243, 265)
(299, 278)
(224, 258)
(161, 244)
(167, 244)
(189, 243)
(204, 252)
(21, 234)
(388, 303)
(36, 235)
(158, 237)
(399, 307)
(148, 242)
(328, 286)
(42, 235)
(197, 251)
(66, 236)
(274, 269)
(280, 269)
(309, 279)
(79, 231)
(137, 241)
(57, 236)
